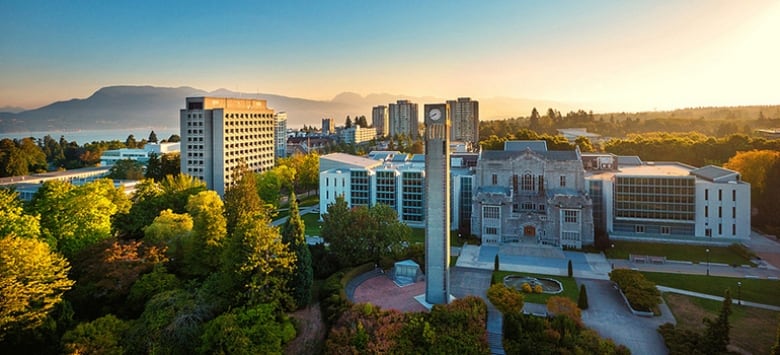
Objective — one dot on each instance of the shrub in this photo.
(506, 299)
(640, 292)
(582, 300)
(526, 287)
(538, 289)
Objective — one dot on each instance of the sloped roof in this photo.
(537, 146)
(713, 173)
(628, 160)
(349, 159)
(503, 155)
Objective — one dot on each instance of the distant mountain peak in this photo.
(348, 97)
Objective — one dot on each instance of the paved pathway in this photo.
(717, 298)
(302, 211)
(610, 317)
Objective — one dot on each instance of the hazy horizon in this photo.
(626, 56)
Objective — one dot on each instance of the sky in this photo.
(605, 55)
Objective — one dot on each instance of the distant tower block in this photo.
(437, 204)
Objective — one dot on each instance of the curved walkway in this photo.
(716, 298)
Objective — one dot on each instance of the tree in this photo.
(716, 335)
(335, 230)
(152, 137)
(105, 273)
(570, 269)
(256, 259)
(582, 300)
(269, 184)
(101, 336)
(32, 282)
(126, 169)
(348, 124)
(154, 167)
(246, 330)
(242, 199)
(13, 220)
(506, 299)
(563, 306)
(130, 142)
(302, 276)
(169, 230)
(205, 244)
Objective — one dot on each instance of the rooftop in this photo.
(354, 160)
(715, 173)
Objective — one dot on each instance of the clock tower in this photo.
(437, 204)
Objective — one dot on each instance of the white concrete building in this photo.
(356, 135)
(220, 134)
(110, 157)
(668, 201)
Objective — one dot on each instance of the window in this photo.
(528, 182)
(720, 212)
(706, 211)
(570, 216)
(733, 229)
(720, 195)
(563, 181)
(734, 195)
(720, 228)
(491, 230)
(493, 212)
(570, 235)
(706, 194)
(666, 230)
(639, 228)
(708, 232)
(495, 179)
(733, 212)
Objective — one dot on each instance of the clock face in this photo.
(434, 114)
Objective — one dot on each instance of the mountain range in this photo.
(116, 107)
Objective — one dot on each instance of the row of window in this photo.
(720, 212)
(720, 195)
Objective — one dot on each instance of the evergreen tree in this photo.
(152, 137)
(716, 336)
(302, 275)
(571, 270)
(242, 198)
(582, 301)
(348, 124)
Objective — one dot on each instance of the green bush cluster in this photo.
(640, 292)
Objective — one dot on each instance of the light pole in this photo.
(708, 261)
(739, 293)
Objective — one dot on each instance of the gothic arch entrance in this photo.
(529, 231)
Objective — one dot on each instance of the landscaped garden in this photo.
(754, 290)
(570, 289)
(732, 255)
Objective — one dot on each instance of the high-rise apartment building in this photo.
(280, 135)
(403, 119)
(464, 114)
(381, 120)
(219, 134)
(328, 126)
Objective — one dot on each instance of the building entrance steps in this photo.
(536, 250)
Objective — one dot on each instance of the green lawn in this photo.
(570, 288)
(755, 290)
(696, 253)
(312, 223)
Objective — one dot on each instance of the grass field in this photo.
(752, 329)
(755, 290)
(570, 289)
(312, 223)
(694, 253)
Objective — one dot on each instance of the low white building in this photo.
(110, 157)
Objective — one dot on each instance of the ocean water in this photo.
(87, 136)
